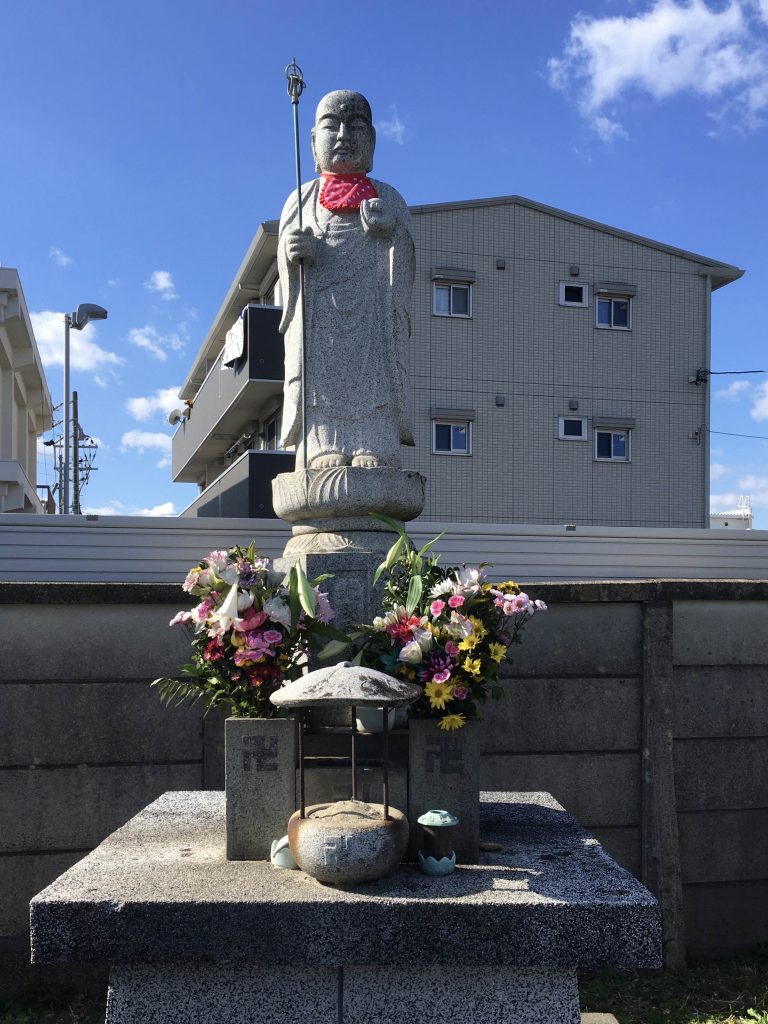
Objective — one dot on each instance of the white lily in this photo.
(227, 614)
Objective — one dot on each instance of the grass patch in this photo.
(732, 991)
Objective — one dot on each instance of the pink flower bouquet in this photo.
(251, 631)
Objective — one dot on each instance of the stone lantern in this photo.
(347, 841)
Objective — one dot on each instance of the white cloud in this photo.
(759, 410)
(153, 341)
(141, 440)
(393, 129)
(671, 47)
(723, 502)
(161, 281)
(167, 508)
(717, 470)
(733, 391)
(114, 508)
(85, 354)
(113, 282)
(117, 508)
(163, 400)
(59, 257)
(757, 488)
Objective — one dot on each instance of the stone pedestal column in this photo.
(333, 531)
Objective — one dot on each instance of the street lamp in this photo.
(83, 315)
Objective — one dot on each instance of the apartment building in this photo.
(25, 402)
(553, 366)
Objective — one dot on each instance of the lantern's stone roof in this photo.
(346, 685)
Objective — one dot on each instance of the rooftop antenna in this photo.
(296, 85)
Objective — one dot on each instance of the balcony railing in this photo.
(231, 396)
(244, 489)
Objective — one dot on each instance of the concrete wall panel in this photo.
(24, 876)
(71, 808)
(581, 640)
(623, 844)
(721, 774)
(598, 789)
(724, 846)
(721, 633)
(563, 714)
(72, 723)
(725, 918)
(84, 641)
(721, 700)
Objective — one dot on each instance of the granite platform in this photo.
(498, 940)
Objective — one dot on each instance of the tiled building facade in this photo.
(551, 369)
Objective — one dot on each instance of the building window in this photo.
(614, 311)
(271, 433)
(451, 299)
(612, 445)
(451, 438)
(574, 294)
(572, 428)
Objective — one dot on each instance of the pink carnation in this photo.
(273, 636)
(436, 608)
(456, 601)
(442, 677)
(460, 692)
(451, 649)
(250, 620)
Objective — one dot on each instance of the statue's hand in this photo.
(377, 219)
(301, 245)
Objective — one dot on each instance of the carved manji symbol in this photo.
(260, 753)
(444, 757)
(332, 847)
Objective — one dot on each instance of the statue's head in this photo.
(343, 138)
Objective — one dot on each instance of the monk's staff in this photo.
(296, 85)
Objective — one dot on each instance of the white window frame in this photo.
(627, 431)
(570, 437)
(574, 284)
(450, 285)
(445, 422)
(613, 298)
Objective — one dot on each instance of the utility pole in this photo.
(75, 457)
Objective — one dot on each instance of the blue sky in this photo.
(144, 143)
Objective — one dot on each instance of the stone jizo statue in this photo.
(358, 254)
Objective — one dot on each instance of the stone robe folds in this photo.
(357, 302)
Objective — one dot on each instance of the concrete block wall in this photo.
(642, 706)
(84, 741)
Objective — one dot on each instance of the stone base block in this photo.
(294, 994)
(435, 995)
(204, 994)
(261, 757)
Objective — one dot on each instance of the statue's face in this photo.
(343, 138)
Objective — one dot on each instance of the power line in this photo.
(726, 433)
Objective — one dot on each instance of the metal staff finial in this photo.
(296, 84)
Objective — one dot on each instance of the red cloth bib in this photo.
(346, 191)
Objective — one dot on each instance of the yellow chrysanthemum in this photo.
(439, 694)
(473, 666)
(497, 651)
(478, 628)
(469, 643)
(449, 722)
(509, 587)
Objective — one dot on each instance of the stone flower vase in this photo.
(260, 783)
(444, 771)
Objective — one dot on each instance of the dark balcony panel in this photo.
(231, 397)
(244, 489)
(264, 342)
